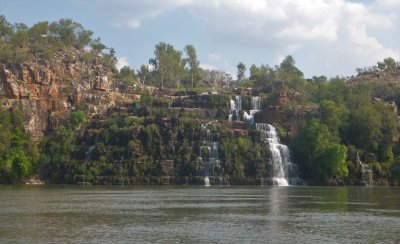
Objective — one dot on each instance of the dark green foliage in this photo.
(146, 99)
(241, 71)
(262, 76)
(319, 153)
(18, 153)
(387, 65)
(333, 115)
(76, 118)
(20, 43)
(127, 75)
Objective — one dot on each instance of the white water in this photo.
(284, 171)
(209, 150)
(255, 103)
(206, 181)
(366, 173)
(236, 107)
(89, 152)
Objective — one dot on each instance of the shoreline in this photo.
(197, 180)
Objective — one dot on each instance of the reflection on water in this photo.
(193, 214)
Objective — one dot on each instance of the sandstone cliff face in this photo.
(49, 89)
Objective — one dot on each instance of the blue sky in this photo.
(324, 37)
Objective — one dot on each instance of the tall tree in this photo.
(288, 71)
(262, 76)
(143, 73)
(241, 70)
(5, 28)
(168, 64)
(192, 62)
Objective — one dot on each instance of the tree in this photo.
(18, 153)
(143, 73)
(319, 153)
(254, 72)
(388, 64)
(127, 75)
(21, 35)
(319, 79)
(168, 64)
(333, 115)
(215, 78)
(76, 119)
(192, 62)
(97, 46)
(109, 58)
(363, 128)
(262, 76)
(241, 71)
(288, 70)
(5, 28)
(69, 32)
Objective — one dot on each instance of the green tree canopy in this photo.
(319, 153)
(169, 65)
(193, 63)
(127, 75)
(18, 153)
(241, 69)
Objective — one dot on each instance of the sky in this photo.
(325, 37)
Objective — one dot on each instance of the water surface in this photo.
(196, 214)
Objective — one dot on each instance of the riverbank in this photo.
(198, 180)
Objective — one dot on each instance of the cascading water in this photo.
(238, 102)
(208, 152)
(236, 106)
(255, 107)
(89, 152)
(255, 103)
(284, 172)
(366, 173)
(233, 109)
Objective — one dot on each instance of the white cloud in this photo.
(283, 27)
(215, 57)
(122, 61)
(132, 13)
(208, 66)
(389, 3)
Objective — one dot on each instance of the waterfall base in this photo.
(207, 182)
(280, 182)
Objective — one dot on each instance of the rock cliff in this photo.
(48, 89)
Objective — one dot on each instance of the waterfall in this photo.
(88, 153)
(284, 172)
(233, 109)
(255, 103)
(238, 100)
(366, 173)
(209, 151)
(236, 107)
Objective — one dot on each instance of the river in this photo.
(196, 214)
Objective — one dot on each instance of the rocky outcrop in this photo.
(289, 117)
(47, 90)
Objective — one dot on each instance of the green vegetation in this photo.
(160, 135)
(319, 153)
(19, 43)
(18, 153)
